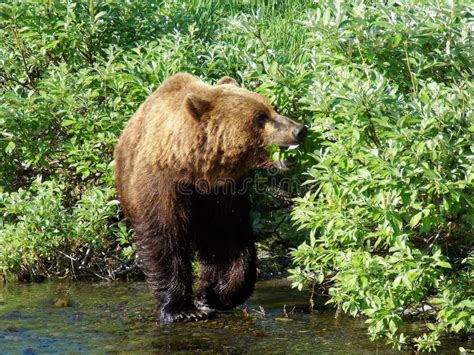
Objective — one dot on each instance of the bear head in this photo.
(235, 126)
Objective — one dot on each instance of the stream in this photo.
(120, 317)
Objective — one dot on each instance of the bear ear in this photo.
(196, 106)
(227, 80)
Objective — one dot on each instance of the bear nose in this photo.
(300, 132)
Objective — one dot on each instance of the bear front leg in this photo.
(175, 292)
(169, 273)
(225, 284)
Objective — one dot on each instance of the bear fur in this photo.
(173, 165)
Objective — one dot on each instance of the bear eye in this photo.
(276, 108)
(261, 119)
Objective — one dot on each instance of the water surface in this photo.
(120, 317)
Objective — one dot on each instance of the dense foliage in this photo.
(386, 224)
(391, 210)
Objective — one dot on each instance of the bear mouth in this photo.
(288, 146)
(283, 165)
(264, 160)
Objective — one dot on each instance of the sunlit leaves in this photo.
(385, 87)
(392, 177)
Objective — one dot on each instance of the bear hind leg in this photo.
(224, 286)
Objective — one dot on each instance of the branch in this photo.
(412, 78)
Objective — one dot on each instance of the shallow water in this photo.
(54, 317)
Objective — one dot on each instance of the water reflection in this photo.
(120, 317)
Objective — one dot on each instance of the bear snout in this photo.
(285, 132)
(300, 133)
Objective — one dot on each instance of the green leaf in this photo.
(416, 219)
(444, 264)
(396, 40)
(273, 68)
(10, 147)
(66, 123)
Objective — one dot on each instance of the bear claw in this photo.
(183, 316)
(203, 306)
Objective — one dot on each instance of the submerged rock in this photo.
(63, 303)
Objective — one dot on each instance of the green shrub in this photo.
(385, 214)
(42, 236)
(71, 75)
(390, 213)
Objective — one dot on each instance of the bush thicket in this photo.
(385, 226)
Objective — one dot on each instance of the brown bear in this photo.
(173, 163)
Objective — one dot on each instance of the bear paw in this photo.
(212, 304)
(203, 305)
(183, 316)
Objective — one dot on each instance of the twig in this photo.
(261, 311)
(21, 47)
(127, 269)
(280, 223)
(375, 138)
(4, 75)
(258, 35)
(285, 313)
(338, 311)
(72, 260)
(412, 78)
(67, 256)
(311, 297)
(364, 64)
(373, 133)
(97, 275)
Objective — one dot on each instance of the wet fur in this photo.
(151, 159)
(186, 131)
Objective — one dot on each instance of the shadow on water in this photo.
(120, 317)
